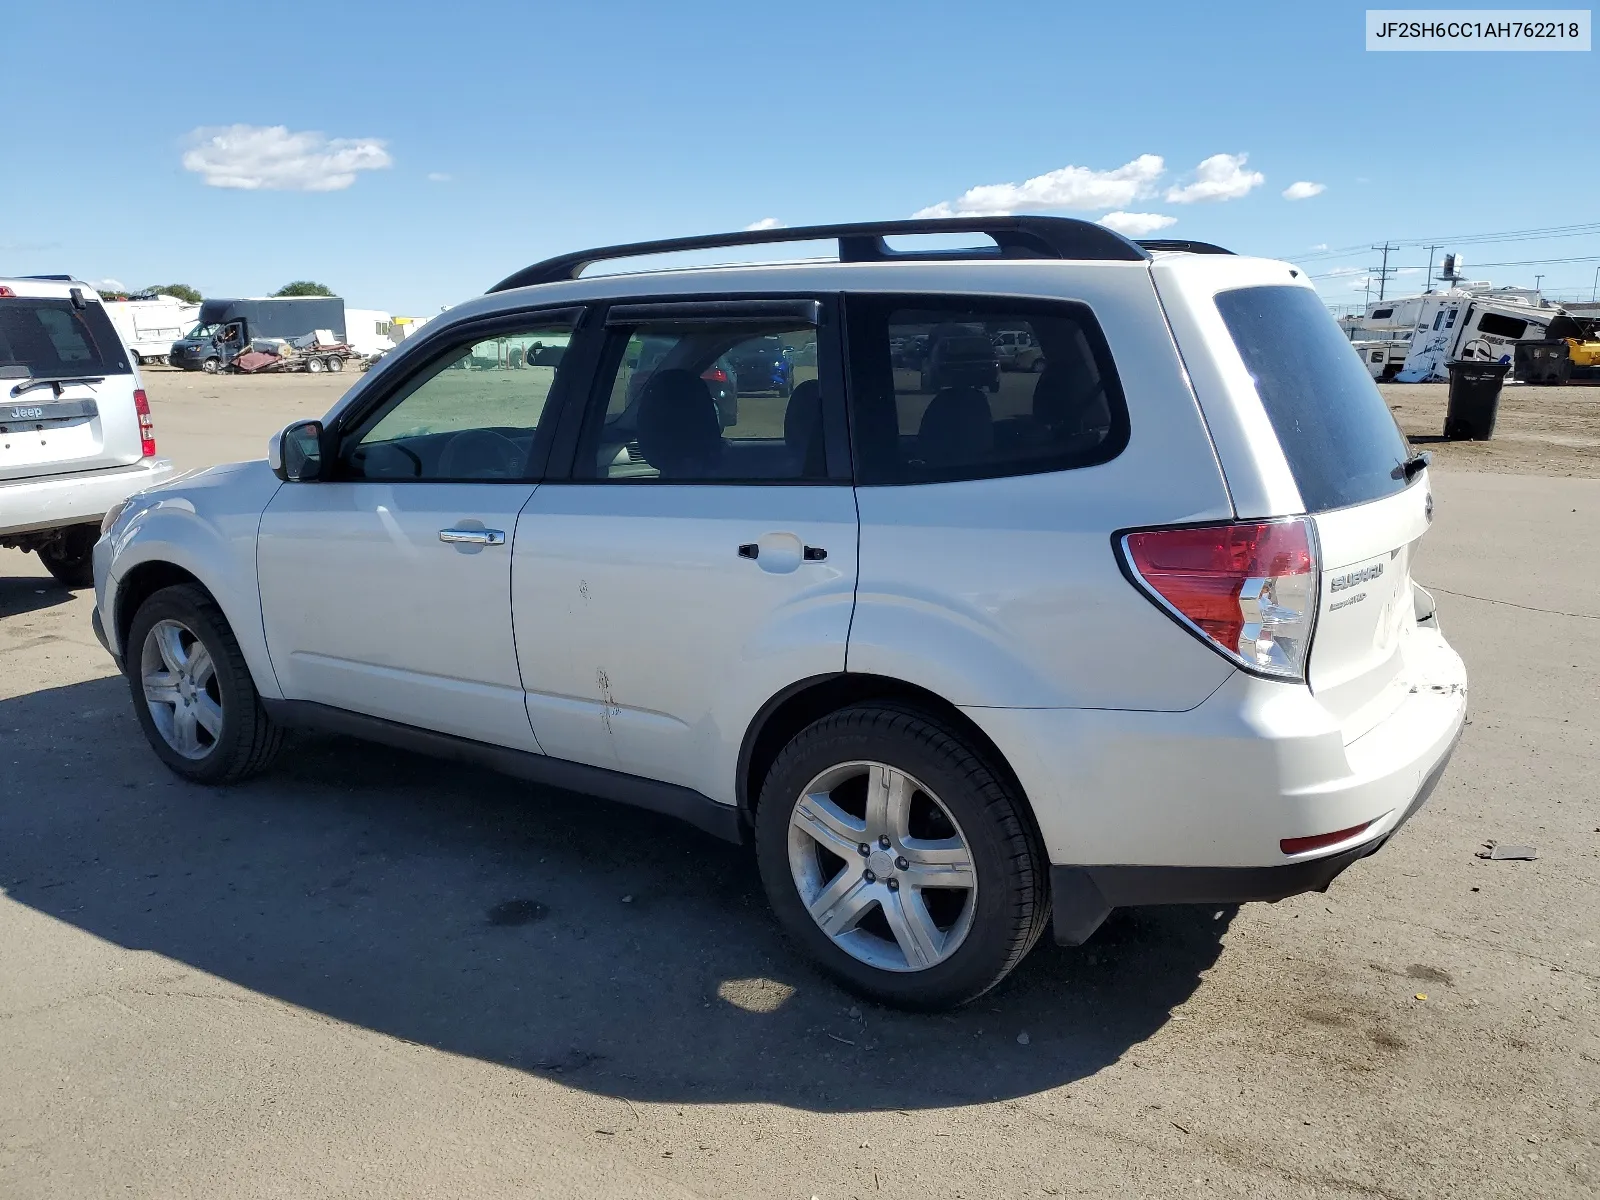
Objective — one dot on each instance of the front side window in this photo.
(965, 388)
(714, 403)
(472, 416)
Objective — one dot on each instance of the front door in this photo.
(694, 566)
(386, 589)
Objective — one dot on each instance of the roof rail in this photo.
(49, 278)
(1014, 237)
(1179, 244)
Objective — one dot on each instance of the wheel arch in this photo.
(807, 700)
(144, 580)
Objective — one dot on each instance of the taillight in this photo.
(147, 427)
(1249, 589)
(715, 375)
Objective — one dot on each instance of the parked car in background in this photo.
(1016, 350)
(960, 356)
(76, 437)
(955, 670)
(761, 365)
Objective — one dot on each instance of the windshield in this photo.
(202, 331)
(1338, 436)
(52, 339)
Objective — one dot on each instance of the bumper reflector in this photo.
(1320, 841)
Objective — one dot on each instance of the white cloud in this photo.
(1320, 246)
(1065, 187)
(1220, 177)
(764, 223)
(1303, 189)
(270, 158)
(1136, 224)
(108, 285)
(438, 177)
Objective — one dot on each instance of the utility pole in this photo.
(1537, 280)
(1383, 271)
(1427, 285)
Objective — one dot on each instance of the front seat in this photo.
(1071, 403)
(679, 433)
(957, 428)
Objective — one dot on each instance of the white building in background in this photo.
(149, 327)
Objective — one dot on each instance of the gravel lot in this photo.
(313, 985)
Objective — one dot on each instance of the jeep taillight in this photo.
(147, 427)
(1249, 589)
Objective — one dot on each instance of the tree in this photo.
(304, 287)
(181, 290)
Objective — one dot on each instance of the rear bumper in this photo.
(1084, 896)
(1178, 807)
(76, 498)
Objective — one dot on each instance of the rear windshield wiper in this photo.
(1409, 469)
(54, 381)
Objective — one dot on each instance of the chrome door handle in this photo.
(473, 537)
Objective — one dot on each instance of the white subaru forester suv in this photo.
(1138, 628)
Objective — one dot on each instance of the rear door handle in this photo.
(473, 537)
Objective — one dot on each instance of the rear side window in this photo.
(51, 339)
(1337, 434)
(950, 388)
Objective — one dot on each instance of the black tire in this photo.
(249, 739)
(211, 366)
(1012, 906)
(314, 365)
(70, 558)
(334, 363)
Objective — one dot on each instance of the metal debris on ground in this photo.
(1494, 850)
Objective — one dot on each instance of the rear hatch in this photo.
(1366, 494)
(66, 385)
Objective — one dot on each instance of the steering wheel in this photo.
(480, 454)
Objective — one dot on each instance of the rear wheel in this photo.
(192, 690)
(70, 556)
(335, 363)
(899, 859)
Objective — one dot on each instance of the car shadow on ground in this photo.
(20, 594)
(614, 950)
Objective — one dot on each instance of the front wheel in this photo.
(334, 364)
(211, 366)
(192, 690)
(899, 859)
(314, 365)
(70, 556)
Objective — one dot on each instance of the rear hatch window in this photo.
(1338, 436)
(51, 339)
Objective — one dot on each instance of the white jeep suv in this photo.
(75, 430)
(1137, 629)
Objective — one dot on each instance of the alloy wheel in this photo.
(181, 688)
(882, 866)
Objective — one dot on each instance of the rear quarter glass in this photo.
(1338, 436)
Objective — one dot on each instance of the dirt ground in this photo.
(1540, 430)
(308, 985)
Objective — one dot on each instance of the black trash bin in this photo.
(1474, 399)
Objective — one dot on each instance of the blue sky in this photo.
(464, 140)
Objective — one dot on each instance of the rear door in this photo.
(693, 566)
(83, 421)
(1348, 461)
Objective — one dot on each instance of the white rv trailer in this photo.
(149, 327)
(368, 330)
(1462, 325)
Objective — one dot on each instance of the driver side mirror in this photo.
(295, 455)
